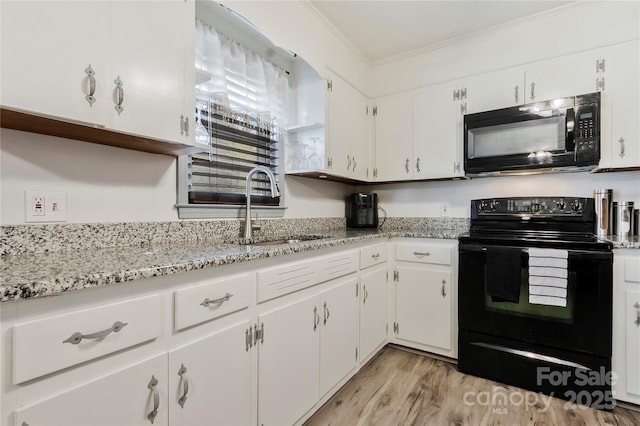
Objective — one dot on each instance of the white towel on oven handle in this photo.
(541, 271)
(548, 291)
(548, 300)
(539, 252)
(548, 281)
(552, 262)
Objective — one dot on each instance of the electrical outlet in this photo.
(45, 206)
(444, 209)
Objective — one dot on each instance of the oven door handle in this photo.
(471, 247)
(531, 355)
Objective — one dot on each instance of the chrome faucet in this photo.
(249, 227)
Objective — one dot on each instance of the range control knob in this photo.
(482, 206)
(494, 204)
(561, 205)
(535, 207)
(576, 206)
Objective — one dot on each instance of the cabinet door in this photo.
(147, 55)
(339, 334)
(563, 76)
(373, 311)
(126, 397)
(423, 306)
(436, 147)
(394, 137)
(210, 380)
(493, 90)
(45, 58)
(632, 327)
(622, 87)
(288, 359)
(347, 128)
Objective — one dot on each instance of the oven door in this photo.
(583, 325)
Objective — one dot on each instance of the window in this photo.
(241, 110)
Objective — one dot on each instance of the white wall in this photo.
(421, 199)
(107, 184)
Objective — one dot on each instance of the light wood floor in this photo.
(403, 388)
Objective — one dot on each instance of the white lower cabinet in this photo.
(626, 325)
(305, 352)
(338, 334)
(424, 292)
(210, 380)
(373, 310)
(423, 306)
(135, 395)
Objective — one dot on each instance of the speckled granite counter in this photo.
(632, 243)
(33, 274)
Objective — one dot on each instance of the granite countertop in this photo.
(37, 275)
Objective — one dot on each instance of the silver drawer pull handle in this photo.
(421, 254)
(621, 152)
(153, 383)
(326, 313)
(365, 294)
(418, 165)
(185, 385)
(92, 85)
(637, 321)
(119, 95)
(316, 318)
(443, 292)
(218, 301)
(375, 256)
(406, 165)
(77, 337)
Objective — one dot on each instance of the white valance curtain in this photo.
(239, 78)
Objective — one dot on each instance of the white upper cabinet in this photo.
(393, 124)
(348, 129)
(436, 131)
(147, 56)
(620, 141)
(106, 64)
(53, 59)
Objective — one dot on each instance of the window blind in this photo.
(238, 143)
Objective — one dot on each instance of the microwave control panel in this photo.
(586, 128)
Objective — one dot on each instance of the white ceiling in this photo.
(382, 29)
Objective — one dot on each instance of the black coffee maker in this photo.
(362, 210)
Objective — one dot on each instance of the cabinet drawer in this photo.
(338, 265)
(423, 253)
(51, 344)
(208, 301)
(632, 270)
(281, 280)
(374, 255)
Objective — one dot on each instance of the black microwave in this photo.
(557, 135)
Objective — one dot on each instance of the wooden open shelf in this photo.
(28, 122)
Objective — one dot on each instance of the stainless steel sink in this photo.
(287, 241)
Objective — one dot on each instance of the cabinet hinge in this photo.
(456, 166)
(356, 289)
(463, 108)
(600, 65)
(375, 110)
(600, 84)
(367, 173)
(463, 93)
(456, 95)
(329, 163)
(356, 354)
(396, 327)
(387, 276)
(258, 334)
(367, 109)
(386, 328)
(330, 85)
(396, 275)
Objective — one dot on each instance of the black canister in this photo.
(362, 210)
